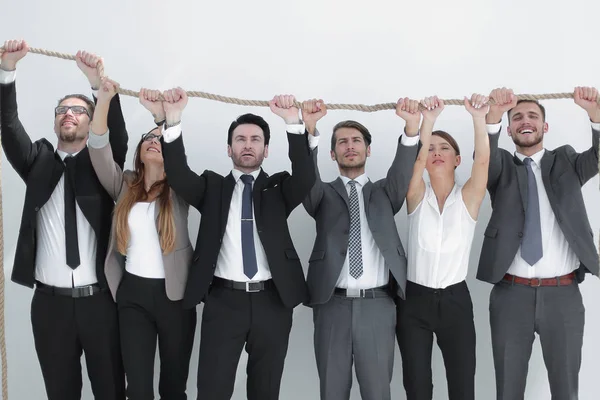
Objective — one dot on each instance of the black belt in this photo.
(74, 292)
(249, 287)
(381, 291)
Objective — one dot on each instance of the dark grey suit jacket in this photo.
(328, 204)
(564, 172)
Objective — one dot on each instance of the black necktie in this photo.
(70, 214)
(248, 250)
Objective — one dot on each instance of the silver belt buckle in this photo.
(249, 290)
(88, 289)
(353, 292)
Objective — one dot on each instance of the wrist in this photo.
(493, 118)
(311, 129)
(292, 120)
(594, 117)
(411, 128)
(173, 118)
(9, 67)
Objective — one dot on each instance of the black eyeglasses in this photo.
(77, 110)
(146, 137)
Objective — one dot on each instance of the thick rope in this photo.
(263, 103)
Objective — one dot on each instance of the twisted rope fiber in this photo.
(214, 97)
(263, 103)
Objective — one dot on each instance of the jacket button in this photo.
(37, 209)
(343, 252)
(520, 234)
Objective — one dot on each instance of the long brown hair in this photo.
(137, 193)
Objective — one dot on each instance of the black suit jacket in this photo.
(274, 197)
(564, 172)
(41, 168)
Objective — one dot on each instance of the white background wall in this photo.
(343, 51)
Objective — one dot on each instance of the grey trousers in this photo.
(557, 315)
(359, 330)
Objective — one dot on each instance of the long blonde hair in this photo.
(137, 193)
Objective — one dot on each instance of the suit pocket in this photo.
(316, 255)
(291, 254)
(491, 232)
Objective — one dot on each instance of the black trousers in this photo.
(447, 313)
(145, 314)
(63, 329)
(232, 319)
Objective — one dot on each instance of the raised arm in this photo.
(185, 182)
(586, 163)
(297, 186)
(17, 145)
(313, 111)
(107, 169)
(92, 67)
(503, 99)
(416, 188)
(473, 191)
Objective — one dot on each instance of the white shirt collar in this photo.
(63, 154)
(361, 179)
(237, 174)
(537, 157)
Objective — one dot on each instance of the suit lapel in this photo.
(547, 163)
(366, 191)
(522, 179)
(339, 187)
(227, 192)
(259, 184)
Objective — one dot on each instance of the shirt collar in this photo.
(237, 174)
(537, 157)
(63, 154)
(361, 179)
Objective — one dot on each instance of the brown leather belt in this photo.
(537, 282)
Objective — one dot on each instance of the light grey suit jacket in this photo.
(328, 204)
(177, 262)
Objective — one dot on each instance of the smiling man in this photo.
(538, 245)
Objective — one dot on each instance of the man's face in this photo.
(351, 150)
(248, 148)
(70, 125)
(526, 125)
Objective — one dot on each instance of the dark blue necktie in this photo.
(531, 245)
(71, 214)
(248, 250)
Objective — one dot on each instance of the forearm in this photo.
(99, 124)
(482, 142)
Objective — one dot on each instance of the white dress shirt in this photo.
(375, 272)
(144, 255)
(558, 258)
(439, 245)
(51, 252)
(230, 263)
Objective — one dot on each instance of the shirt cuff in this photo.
(596, 126)
(171, 134)
(409, 140)
(7, 77)
(493, 129)
(98, 141)
(313, 141)
(297, 129)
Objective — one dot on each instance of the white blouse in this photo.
(144, 256)
(439, 244)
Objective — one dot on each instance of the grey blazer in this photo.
(564, 172)
(176, 263)
(328, 204)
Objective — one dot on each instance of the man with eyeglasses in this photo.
(63, 237)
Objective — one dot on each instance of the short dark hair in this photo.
(448, 138)
(89, 103)
(249, 119)
(351, 124)
(542, 109)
